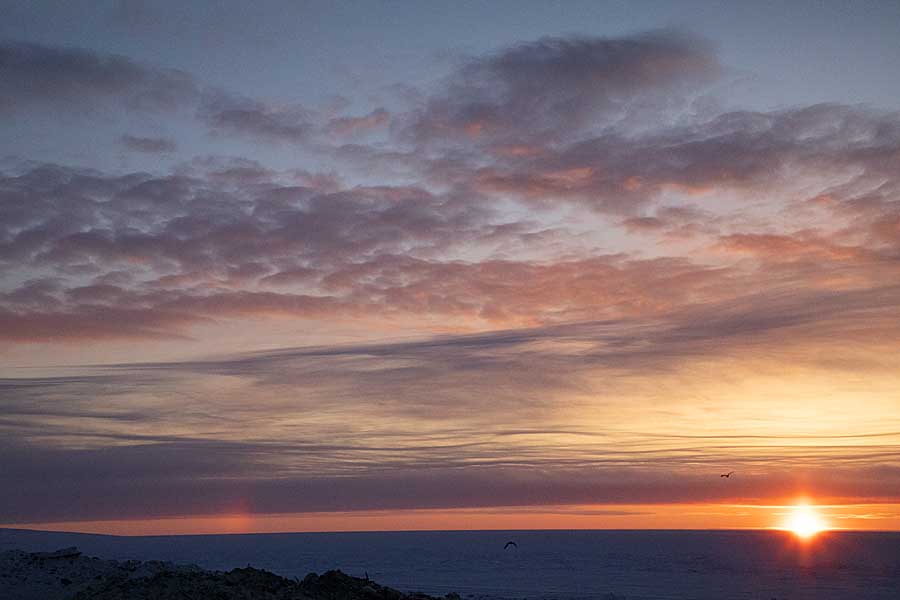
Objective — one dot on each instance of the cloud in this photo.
(33, 75)
(228, 114)
(148, 145)
(213, 218)
(555, 88)
(346, 427)
(742, 152)
(197, 481)
(92, 322)
(212, 240)
(390, 286)
(351, 126)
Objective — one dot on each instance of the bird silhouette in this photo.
(727, 475)
(513, 544)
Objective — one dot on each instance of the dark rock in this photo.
(88, 578)
(72, 552)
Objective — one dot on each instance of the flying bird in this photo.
(727, 475)
(513, 544)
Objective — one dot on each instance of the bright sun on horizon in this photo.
(804, 522)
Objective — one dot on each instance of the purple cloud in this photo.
(556, 88)
(35, 75)
(148, 144)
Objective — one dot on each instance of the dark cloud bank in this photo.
(34, 74)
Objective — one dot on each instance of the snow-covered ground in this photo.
(547, 564)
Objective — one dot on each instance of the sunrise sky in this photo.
(290, 266)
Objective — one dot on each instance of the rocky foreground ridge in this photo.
(69, 575)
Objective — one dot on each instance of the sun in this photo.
(804, 522)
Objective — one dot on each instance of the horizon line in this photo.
(547, 529)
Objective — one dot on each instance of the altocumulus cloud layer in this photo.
(641, 288)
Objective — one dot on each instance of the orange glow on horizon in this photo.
(802, 520)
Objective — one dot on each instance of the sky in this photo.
(300, 266)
